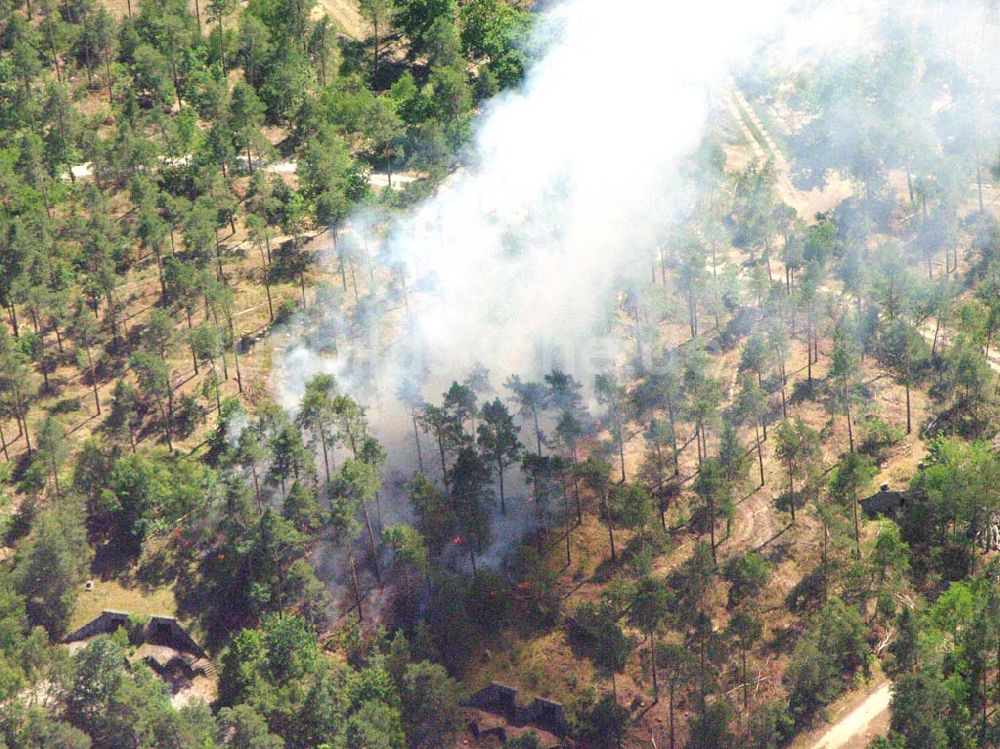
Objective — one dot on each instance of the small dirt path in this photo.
(944, 336)
(806, 203)
(853, 727)
(755, 518)
(377, 180)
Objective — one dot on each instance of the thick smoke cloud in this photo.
(568, 188)
(570, 184)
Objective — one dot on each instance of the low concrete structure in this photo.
(164, 646)
(107, 622)
(884, 502)
(501, 699)
(154, 630)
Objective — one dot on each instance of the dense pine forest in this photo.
(253, 499)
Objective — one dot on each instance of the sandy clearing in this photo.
(854, 725)
(346, 14)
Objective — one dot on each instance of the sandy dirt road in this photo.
(944, 339)
(853, 729)
(806, 203)
(869, 717)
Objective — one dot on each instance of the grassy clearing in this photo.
(122, 595)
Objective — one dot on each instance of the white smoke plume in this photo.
(570, 184)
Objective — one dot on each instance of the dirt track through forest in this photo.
(855, 724)
(806, 203)
(755, 519)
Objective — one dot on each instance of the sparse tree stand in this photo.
(498, 441)
(704, 397)
(566, 513)
(261, 239)
(676, 660)
(595, 475)
(236, 353)
(532, 398)
(18, 381)
(469, 496)
(371, 541)
(250, 452)
(206, 346)
(217, 12)
(154, 381)
(847, 409)
(825, 554)
(295, 224)
(357, 589)
(52, 445)
(673, 399)
(745, 630)
(907, 349)
(372, 453)
(246, 112)
(799, 450)
(416, 439)
(316, 414)
(84, 331)
(779, 342)
(844, 368)
(123, 411)
(358, 482)
(617, 721)
(649, 606)
(409, 394)
(853, 473)
(569, 430)
(447, 433)
(611, 393)
(221, 297)
(760, 455)
(152, 232)
(710, 485)
(379, 14)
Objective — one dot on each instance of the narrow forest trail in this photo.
(283, 167)
(755, 515)
(852, 730)
(764, 147)
(754, 524)
(944, 338)
(806, 203)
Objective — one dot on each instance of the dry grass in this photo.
(842, 707)
(546, 659)
(345, 15)
(544, 664)
(118, 595)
